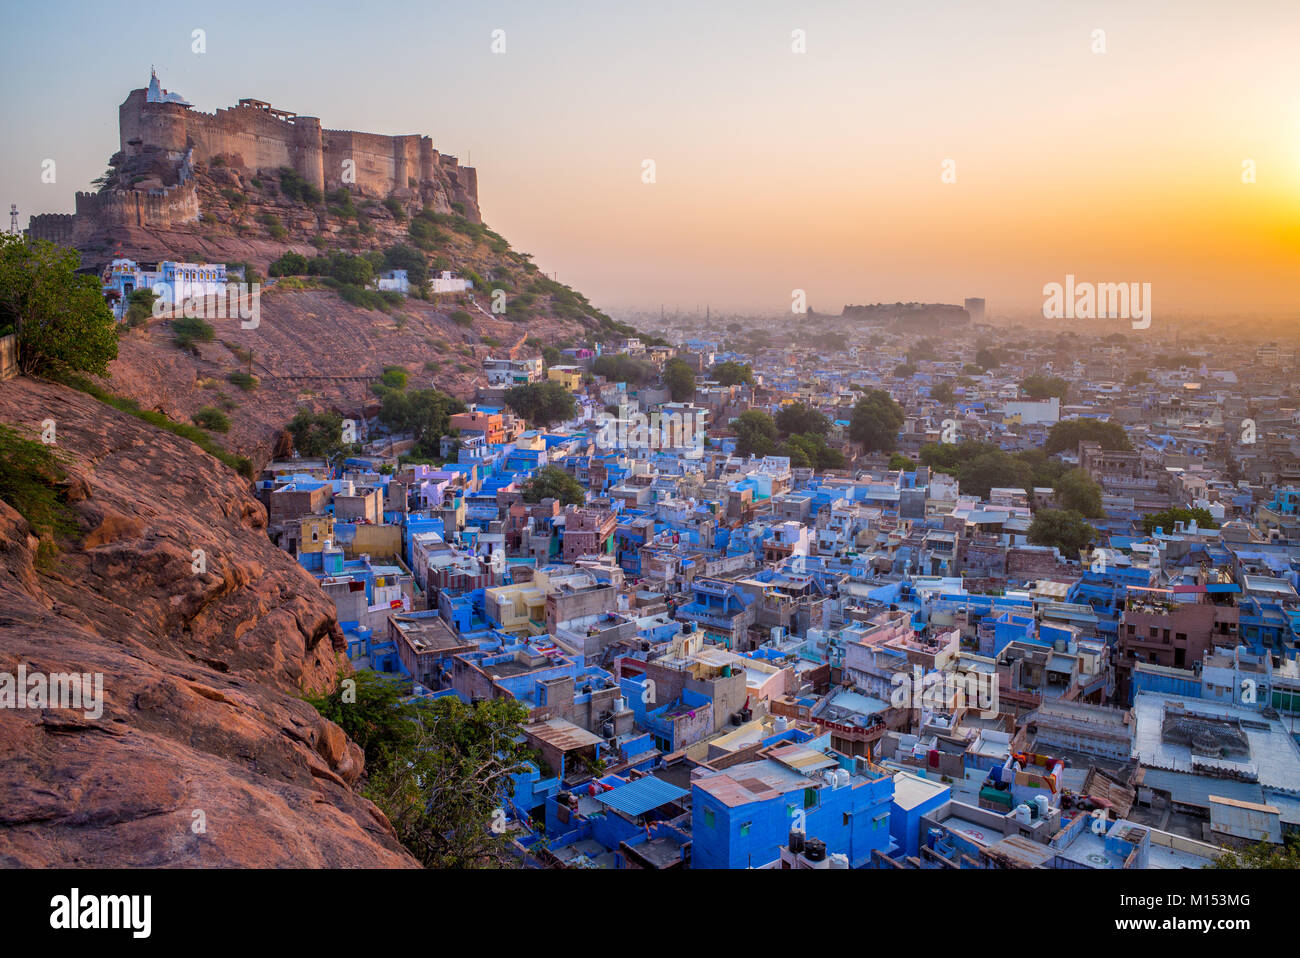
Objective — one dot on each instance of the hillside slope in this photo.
(311, 350)
(201, 671)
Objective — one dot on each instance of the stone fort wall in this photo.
(261, 138)
(158, 209)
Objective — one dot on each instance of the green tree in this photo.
(1045, 470)
(188, 330)
(992, 469)
(732, 373)
(876, 420)
(395, 377)
(401, 256)
(943, 393)
(60, 316)
(1077, 492)
(438, 769)
(542, 403)
(988, 357)
(810, 449)
(552, 482)
(1045, 387)
(1067, 530)
(621, 368)
(212, 419)
(900, 461)
(290, 264)
(798, 419)
(1165, 520)
(1066, 435)
(317, 434)
(424, 413)
(139, 307)
(1262, 855)
(680, 380)
(755, 433)
(33, 482)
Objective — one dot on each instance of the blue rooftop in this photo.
(643, 795)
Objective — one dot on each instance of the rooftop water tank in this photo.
(815, 850)
(796, 840)
(839, 860)
(1023, 814)
(1044, 806)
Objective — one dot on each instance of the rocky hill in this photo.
(312, 349)
(203, 719)
(201, 671)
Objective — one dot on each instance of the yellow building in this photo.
(568, 376)
(316, 531)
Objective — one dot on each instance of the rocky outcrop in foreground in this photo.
(201, 722)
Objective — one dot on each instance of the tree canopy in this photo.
(1077, 492)
(756, 433)
(732, 373)
(679, 378)
(1045, 387)
(799, 419)
(1165, 520)
(439, 769)
(621, 368)
(59, 315)
(317, 434)
(552, 482)
(542, 403)
(1063, 528)
(425, 413)
(876, 420)
(1066, 435)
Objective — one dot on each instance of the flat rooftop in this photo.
(1272, 759)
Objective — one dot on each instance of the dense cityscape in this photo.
(886, 460)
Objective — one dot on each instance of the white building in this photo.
(173, 282)
(1033, 412)
(445, 282)
(394, 280)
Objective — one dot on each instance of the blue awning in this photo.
(641, 796)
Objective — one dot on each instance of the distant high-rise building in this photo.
(975, 306)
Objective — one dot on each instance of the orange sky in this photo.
(775, 170)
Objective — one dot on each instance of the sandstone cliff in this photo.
(201, 671)
(314, 351)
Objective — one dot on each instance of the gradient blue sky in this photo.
(776, 171)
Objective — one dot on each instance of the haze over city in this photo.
(774, 170)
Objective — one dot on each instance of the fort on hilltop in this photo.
(164, 135)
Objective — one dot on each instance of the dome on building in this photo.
(158, 95)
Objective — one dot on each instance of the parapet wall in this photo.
(54, 227)
(258, 138)
(159, 209)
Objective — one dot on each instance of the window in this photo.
(809, 797)
(708, 817)
(744, 829)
